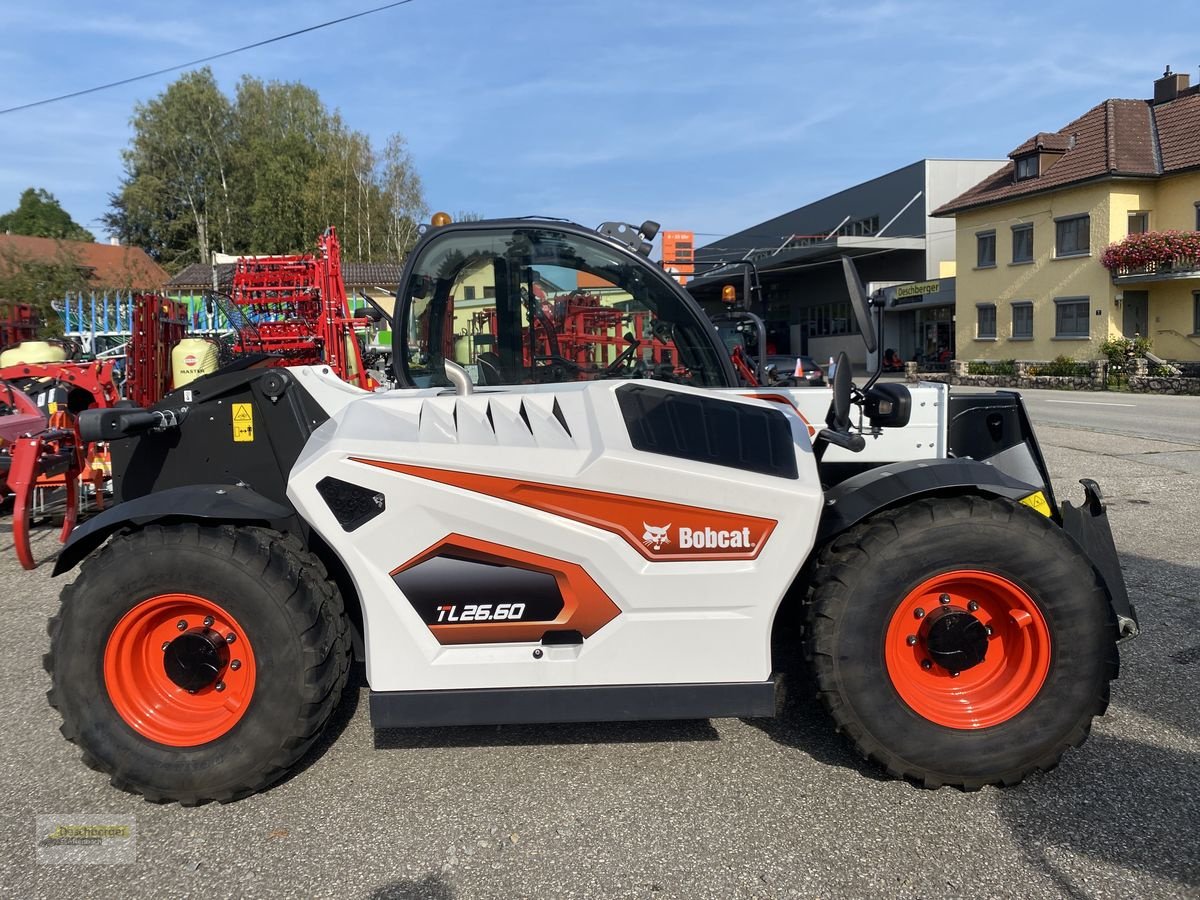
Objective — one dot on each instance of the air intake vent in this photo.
(351, 504)
(708, 430)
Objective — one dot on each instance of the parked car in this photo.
(785, 367)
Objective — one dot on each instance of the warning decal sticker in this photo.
(243, 422)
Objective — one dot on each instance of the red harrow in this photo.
(50, 456)
(294, 308)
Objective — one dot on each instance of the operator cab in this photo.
(529, 301)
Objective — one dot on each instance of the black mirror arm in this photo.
(847, 440)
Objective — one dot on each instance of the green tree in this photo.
(265, 172)
(39, 214)
(40, 282)
(175, 198)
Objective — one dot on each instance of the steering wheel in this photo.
(614, 367)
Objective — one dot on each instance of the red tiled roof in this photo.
(1043, 140)
(110, 266)
(1179, 133)
(1117, 137)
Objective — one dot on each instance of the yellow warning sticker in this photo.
(243, 421)
(1037, 501)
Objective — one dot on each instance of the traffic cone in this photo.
(799, 373)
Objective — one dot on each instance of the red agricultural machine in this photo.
(18, 323)
(283, 310)
(41, 451)
(576, 330)
(294, 309)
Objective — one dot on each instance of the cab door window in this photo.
(535, 305)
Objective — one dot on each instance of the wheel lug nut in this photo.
(988, 629)
(953, 674)
(165, 645)
(910, 640)
(181, 625)
(919, 613)
(926, 665)
(944, 599)
(972, 606)
(230, 638)
(208, 620)
(235, 665)
(219, 686)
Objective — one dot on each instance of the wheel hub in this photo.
(196, 659)
(954, 638)
(967, 649)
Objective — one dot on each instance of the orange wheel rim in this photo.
(173, 673)
(979, 614)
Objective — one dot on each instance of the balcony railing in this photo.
(1154, 256)
(1180, 267)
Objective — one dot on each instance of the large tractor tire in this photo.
(197, 663)
(960, 641)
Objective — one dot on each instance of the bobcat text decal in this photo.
(657, 536)
(690, 532)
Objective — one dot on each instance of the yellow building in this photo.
(1030, 238)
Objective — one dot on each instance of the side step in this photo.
(587, 703)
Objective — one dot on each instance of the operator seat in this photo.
(491, 371)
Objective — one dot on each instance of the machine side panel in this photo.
(694, 557)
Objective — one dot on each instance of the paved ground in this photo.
(1153, 416)
(726, 808)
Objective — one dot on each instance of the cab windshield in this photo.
(529, 305)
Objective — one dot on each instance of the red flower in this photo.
(1152, 248)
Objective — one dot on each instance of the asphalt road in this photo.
(1152, 416)
(722, 808)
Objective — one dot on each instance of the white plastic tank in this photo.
(31, 353)
(191, 358)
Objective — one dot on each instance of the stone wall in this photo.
(1140, 380)
(1095, 380)
(1153, 384)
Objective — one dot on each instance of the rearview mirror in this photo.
(859, 303)
(888, 405)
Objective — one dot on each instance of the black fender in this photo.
(198, 502)
(1087, 525)
(868, 492)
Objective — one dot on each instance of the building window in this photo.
(489, 293)
(985, 249)
(1022, 237)
(1196, 311)
(1139, 222)
(1198, 215)
(469, 292)
(1022, 312)
(1072, 317)
(1027, 167)
(1072, 236)
(986, 327)
(826, 319)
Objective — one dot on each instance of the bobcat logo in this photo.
(656, 535)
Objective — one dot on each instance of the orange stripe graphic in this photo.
(658, 530)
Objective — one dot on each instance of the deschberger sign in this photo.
(919, 289)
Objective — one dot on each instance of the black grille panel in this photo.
(352, 505)
(708, 430)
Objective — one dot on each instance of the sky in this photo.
(704, 115)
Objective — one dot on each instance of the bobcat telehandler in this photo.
(543, 524)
